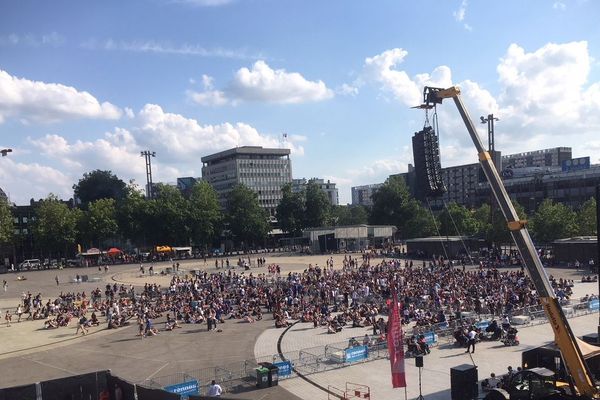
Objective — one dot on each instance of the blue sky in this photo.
(88, 85)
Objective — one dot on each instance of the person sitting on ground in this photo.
(50, 324)
(490, 383)
(94, 320)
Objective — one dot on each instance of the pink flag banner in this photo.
(395, 342)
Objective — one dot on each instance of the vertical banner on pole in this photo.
(396, 343)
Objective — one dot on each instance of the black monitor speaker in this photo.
(463, 382)
(419, 361)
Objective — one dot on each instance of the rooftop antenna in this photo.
(283, 140)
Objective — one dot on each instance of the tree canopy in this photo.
(586, 218)
(290, 211)
(553, 221)
(205, 213)
(247, 220)
(6, 222)
(316, 207)
(55, 227)
(393, 205)
(99, 221)
(98, 185)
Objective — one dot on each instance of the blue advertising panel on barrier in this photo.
(189, 387)
(594, 304)
(430, 338)
(356, 353)
(284, 368)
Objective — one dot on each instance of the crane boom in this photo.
(564, 337)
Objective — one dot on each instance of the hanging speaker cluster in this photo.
(428, 168)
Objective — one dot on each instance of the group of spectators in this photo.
(353, 294)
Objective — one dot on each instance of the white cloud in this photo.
(459, 15)
(544, 99)
(29, 39)
(204, 3)
(263, 84)
(559, 5)
(209, 98)
(49, 102)
(382, 69)
(179, 143)
(347, 90)
(160, 47)
(187, 138)
(41, 180)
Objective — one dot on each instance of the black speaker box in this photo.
(419, 361)
(463, 382)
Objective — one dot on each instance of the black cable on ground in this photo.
(301, 375)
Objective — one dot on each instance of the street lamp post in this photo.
(147, 154)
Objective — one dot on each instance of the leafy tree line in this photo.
(393, 205)
(111, 212)
(116, 213)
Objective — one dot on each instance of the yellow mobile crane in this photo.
(564, 337)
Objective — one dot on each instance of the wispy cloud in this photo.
(460, 14)
(156, 47)
(32, 40)
(559, 5)
(204, 3)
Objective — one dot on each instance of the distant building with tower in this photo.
(328, 187)
(263, 170)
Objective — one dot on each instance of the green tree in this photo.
(205, 214)
(316, 206)
(134, 216)
(290, 211)
(456, 219)
(495, 230)
(421, 222)
(393, 205)
(55, 227)
(247, 220)
(6, 223)
(553, 221)
(169, 214)
(586, 218)
(484, 223)
(98, 185)
(100, 221)
(349, 215)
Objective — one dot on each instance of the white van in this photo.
(34, 263)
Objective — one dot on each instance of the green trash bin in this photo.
(262, 377)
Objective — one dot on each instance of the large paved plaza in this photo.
(30, 353)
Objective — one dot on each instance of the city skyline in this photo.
(86, 87)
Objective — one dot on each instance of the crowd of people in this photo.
(352, 294)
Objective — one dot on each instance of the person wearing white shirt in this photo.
(215, 389)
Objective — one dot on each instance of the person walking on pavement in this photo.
(471, 336)
(56, 279)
